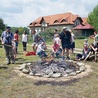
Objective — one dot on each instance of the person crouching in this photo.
(56, 50)
(41, 50)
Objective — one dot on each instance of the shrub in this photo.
(81, 37)
(47, 34)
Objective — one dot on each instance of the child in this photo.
(56, 49)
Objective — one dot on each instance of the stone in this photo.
(68, 70)
(78, 71)
(22, 66)
(31, 74)
(56, 75)
(80, 64)
(25, 71)
(28, 63)
(73, 73)
(82, 68)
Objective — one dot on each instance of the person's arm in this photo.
(87, 56)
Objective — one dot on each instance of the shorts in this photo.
(73, 45)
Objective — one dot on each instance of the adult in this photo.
(85, 53)
(24, 41)
(16, 38)
(65, 37)
(37, 39)
(7, 39)
(41, 50)
(73, 37)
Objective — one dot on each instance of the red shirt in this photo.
(16, 37)
(56, 47)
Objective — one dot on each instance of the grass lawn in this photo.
(14, 86)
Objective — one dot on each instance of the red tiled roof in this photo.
(84, 20)
(87, 26)
(80, 26)
(69, 17)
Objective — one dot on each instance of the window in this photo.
(56, 21)
(63, 20)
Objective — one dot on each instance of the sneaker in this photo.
(13, 62)
(8, 63)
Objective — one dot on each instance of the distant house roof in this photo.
(84, 21)
(65, 18)
(87, 26)
(80, 26)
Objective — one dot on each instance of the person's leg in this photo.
(63, 53)
(67, 53)
(25, 46)
(12, 55)
(7, 54)
(95, 56)
(16, 46)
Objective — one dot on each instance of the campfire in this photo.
(52, 68)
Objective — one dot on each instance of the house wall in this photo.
(58, 27)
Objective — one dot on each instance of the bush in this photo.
(47, 34)
(81, 37)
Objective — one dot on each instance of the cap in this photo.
(8, 27)
(64, 28)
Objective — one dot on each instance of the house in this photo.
(57, 21)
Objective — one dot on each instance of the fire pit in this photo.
(53, 68)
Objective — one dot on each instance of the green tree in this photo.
(93, 18)
(2, 26)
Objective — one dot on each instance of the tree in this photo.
(93, 18)
(2, 25)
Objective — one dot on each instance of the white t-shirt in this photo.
(40, 47)
(58, 41)
(24, 37)
(72, 36)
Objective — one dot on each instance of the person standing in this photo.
(16, 37)
(24, 41)
(65, 37)
(7, 39)
(73, 37)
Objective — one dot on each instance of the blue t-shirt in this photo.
(7, 37)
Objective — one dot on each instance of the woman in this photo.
(24, 41)
(84, 54)
(16, 37)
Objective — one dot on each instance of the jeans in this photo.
(41, 54)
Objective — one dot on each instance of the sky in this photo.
(20, 13)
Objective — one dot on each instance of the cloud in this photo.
(22, 13)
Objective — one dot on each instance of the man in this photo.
(65, 37)
(37, 39)
(7, 38)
